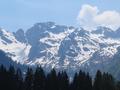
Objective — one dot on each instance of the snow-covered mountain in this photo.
(62, 47)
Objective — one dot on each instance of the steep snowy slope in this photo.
(16, 50)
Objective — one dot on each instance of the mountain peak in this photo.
(20, 30)
(45, 24)
(20, 35)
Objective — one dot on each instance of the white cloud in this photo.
(90, 17)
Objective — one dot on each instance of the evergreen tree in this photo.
(81, 81)
(84, 81)
(52, 81)
(19, 80)
(98, 81)
(118, 85)
(108, 82)
(11, 78)
(63, 81)
(39, 79)
(74, 84)
(28, 82)
(88, 82)
(3, 78)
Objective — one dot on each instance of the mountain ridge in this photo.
(62, 47)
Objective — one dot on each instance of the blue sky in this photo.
(15, 14)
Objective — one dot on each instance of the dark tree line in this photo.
(12, 79)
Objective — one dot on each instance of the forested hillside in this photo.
(13, 79)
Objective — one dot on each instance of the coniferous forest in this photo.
(13, 79)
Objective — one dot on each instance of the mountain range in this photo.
(64, 48)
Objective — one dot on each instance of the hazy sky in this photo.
(15, 14)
